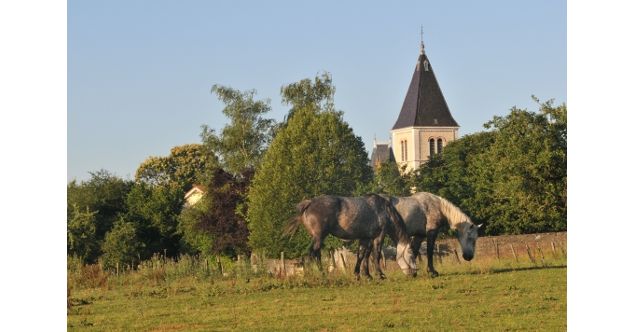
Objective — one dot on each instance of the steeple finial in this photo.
(422, 47)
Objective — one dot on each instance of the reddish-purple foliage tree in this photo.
(222, 213)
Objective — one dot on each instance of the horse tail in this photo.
(294, 222)
(400, 226)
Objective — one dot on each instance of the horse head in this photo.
(406, 259)
(467, 235)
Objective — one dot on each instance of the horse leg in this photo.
(376, 251)
(415, 245)
(367, 250)
(431, 236)
(360, 258)
(377, 245)
(315, 249)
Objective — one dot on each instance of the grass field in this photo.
(482, 295)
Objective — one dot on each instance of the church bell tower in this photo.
(425, 125)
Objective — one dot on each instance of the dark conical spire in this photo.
(424, 104)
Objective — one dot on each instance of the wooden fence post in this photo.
(117, 268)
(219, 265)
(383, 258)
(529, 254)
(514, 252)
(284, 269)
(497, 251)
(343, 261)
(332, 254)
(456, 254)
(542, 256)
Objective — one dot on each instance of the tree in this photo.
(154, 210)
(81, 240)
(388, 179)
(528, 167)
(181, 169)
(316, 95)
(121, 245)
(215, 224)
(512, 177)
(315, 153)
(104, 194)
(241, 143)
(456, 176)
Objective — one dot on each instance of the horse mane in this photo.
(452, 213)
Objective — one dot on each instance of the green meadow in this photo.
(480, 295)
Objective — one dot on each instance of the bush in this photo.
(121, 245)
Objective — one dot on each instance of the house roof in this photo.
(381, 153)
(195, 188)
(424, 104)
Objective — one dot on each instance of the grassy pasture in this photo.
(485, 294)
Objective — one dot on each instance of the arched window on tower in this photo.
(405, 150)
(431, 147)
(439, 145)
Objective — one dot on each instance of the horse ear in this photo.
(479, 225)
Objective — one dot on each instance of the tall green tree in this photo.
(154, 209)
(388, 179)
(512, 177)
(241, 143)
(316, 94)
(528, 168)
(184, 167)
(315, 153)
(456, 176)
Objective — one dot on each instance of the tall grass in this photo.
(243, 276)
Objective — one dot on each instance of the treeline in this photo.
(512, 177)
(254, 171)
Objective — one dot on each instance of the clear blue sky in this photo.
(140, 72)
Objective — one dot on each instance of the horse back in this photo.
(416, 215)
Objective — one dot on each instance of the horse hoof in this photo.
(382, 276)
(434, 274)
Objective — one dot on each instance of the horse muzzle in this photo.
(410, 272)
(468, 257)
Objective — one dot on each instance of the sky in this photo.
(140, 72)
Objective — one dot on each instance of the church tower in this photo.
(424, 125)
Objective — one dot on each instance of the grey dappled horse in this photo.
(363, 218)
(424, 214)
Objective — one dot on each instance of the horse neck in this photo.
(452, 213)
(401, 232)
